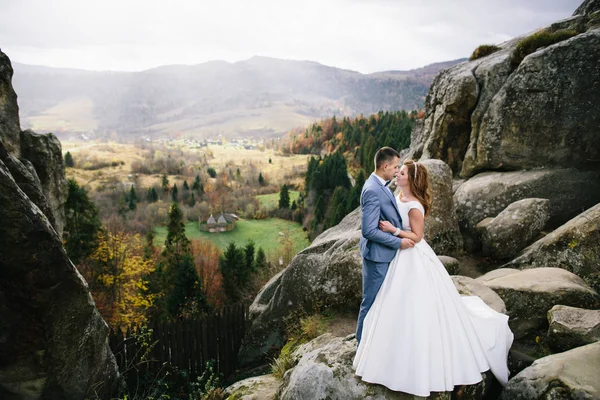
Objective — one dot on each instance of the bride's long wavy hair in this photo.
(419, 183)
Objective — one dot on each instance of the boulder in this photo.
(26, 178)
(530, 294)
(569, 375)
(54, 342)
(497, 273)
(327, 274)
(262, 387)
(324, 371)
(471, 287)
(10, 128)
(441, 225)
(45, 154)
(487, 194)
(451, 264)
(572, 327)
(573, 246)
(514, 228)
(496, 113)
(544, 115)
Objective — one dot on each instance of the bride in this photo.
(420, 335)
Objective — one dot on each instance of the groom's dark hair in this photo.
(383, 155)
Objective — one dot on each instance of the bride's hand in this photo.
(387, 226)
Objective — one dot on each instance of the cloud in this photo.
(362, 35)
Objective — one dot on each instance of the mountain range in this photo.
(258, 97)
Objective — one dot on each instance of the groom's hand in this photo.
(407, 244)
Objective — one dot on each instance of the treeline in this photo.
(351, 146)
(382, 129)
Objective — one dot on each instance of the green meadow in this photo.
(265, 233)
(271, 201)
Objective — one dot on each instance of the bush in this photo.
(539, 39)
(483, 50)
(300, 331)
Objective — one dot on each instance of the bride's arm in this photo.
(387, 226)
(417, 224)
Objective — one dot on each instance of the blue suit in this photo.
(377, 248)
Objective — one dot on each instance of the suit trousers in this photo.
(373, 275)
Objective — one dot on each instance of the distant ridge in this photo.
(258, 97)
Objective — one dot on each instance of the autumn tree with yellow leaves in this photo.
(119, 287)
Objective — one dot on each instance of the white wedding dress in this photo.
(421, 336)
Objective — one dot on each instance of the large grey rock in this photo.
(514, 228)
(10, 128)
(545, 113)
(569, 375)
(470, 287)
(327, 274)
(441, 225)
(574, 247)
(26, 178)
(54, 342)
(487, 194)
(448, 107)
(588, 7)
(572, 327)
(45, 153)
(490, 114)
(497, 273)
(324, 371)
(530, 294)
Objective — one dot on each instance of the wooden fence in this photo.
(186, 344)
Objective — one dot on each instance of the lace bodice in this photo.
(405, 207)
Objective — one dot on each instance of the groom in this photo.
(378, 248)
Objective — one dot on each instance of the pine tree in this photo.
(185, 186)
(69, 160)
(176, 242)
(284, 197)
(261, 260)
(232, 264)
(249, 255)
(152, 195)
(261, 180)
(319, 210)
(174, 193)
(165, 182)
(196, 184)
(82, 223)
(132, 199)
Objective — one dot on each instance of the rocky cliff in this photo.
(54, 343)
(533, 103)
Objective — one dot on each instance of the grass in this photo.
(539, 39)
(264, 233)
(304, 330)
(271, 201)
(483, 50)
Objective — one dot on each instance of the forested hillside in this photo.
(341, 149)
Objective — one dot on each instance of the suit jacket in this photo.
(378, 203)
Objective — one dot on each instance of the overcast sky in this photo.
(361, 35)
